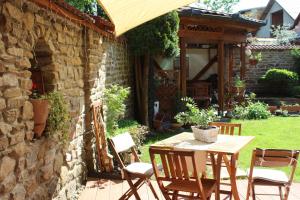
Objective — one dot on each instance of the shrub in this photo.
(137, 131)
(296, 55)
(114, 98)
(296, 90)
(253, 110)
(279, 82)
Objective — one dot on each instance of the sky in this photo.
(245, 4)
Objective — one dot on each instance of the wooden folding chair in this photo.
(226, 129)
(137, 170)
(177, 178)
(264, 158)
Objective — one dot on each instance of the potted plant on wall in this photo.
(59, 119)
(199, 119)
(40, 109)
(255, 58)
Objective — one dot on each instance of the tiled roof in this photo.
(273, 47)
(198, 12)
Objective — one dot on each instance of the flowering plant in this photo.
(35, 93)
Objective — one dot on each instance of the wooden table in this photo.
(225, 145)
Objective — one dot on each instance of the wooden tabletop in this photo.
(225, 144)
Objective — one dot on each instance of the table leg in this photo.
(233, 166)
(218, 174)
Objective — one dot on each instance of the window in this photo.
(277, 18)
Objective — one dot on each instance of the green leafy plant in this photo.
(253, 110)
(195, 116)
(238, 82)
(256, 56)
(59, 119)
(114, 99)
(279, 82)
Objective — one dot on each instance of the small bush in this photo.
(114, 98)
(254, 110)
(137, 131)
(279, 82)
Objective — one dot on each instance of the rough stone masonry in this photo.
(80, 63)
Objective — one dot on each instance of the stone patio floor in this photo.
(113, 189)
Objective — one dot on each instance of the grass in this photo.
(275, 132)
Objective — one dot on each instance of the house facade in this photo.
(278, 13)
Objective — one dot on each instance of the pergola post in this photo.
(243, 61)
(183, 70)
(221, 75)
(230, 67)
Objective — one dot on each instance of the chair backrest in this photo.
(275, 158)
(175, 167)
(122, 143)
(228, 128)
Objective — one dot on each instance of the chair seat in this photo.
(140, 168)
(269, 175)
(188, 186)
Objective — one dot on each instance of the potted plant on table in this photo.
(255, 58)
(199, 119)
(41, 109)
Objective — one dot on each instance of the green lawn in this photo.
(276, 132)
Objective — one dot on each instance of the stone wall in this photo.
(80, 63)
(271, 58)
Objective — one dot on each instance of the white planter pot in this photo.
(206, 135)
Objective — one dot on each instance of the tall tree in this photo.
(157, 37)
(220, 5)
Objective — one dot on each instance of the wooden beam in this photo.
(206, 67)
(221, 75)
(243, 61)
(211, 37)
(219, 23)
(183, 68)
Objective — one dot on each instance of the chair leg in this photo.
(152, 188)
(131, 189)
(286, 194)
(248, 190)
(280, 192)
(253, 192)
(134, 190)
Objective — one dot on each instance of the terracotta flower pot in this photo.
(253, 61)
(41, 112)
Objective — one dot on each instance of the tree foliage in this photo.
(283, 35)
(158, 36)
(220, 5)
(88, 6)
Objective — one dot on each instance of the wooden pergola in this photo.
(200, 27)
